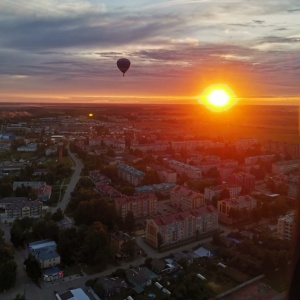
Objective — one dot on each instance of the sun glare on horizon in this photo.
(218, 97)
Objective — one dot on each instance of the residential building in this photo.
(72, 294)
(245, 143)
(141, 205)
(178, 227)
(245, 180)
(286, 227)
(130, 174)
(167, 176)
(112, 285)
(52, 274)
(19, 207)
(107, 190)
(182, 168)
(43, 190)
(164, 188)
(190, 145)
(140, 278)
(252, 160)
(118, 239)
(292, 149)
(244, 204)
(45, 252)
(215, 191)
(285, 166)
(158, 146)
(185, 198)
(32, 147)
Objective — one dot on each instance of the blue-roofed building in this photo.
(45, 252)
(52, 274)
(189, 170)
(202, 252)
(161, 187)
(130, 174)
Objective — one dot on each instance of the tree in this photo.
(19, 297)
(6, 190)
(8, 267)
(216, 239)
(58, 215)
(33, 268)
(129, 221)
(159, 241)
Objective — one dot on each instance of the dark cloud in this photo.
(293, 10)
(280, 40)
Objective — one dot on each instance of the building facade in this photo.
(243, 204)
(20, 207)
(185, 199)
(178, 227)
(141, 205)
(245, 180)
(182, 168)
(215, 191)
(130, 174)
(286, 227)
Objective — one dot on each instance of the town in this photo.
(144, 202)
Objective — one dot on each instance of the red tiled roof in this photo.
(172, 218)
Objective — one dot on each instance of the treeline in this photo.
(258, 256)
(8, 267)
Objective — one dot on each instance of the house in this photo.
(19, 207)
(45, 252)
(157, 265)
(203, 252)
(52, 274)
(72, 294)
(180, 256)
(112, 285)
(140, 277)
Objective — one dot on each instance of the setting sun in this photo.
(218, 97)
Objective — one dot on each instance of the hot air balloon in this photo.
(123, 65)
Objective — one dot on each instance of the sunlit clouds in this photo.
(176, 48)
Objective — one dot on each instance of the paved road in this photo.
(74, 179)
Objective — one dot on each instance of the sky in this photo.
(66, 51)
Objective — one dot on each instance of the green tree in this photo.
(8, 267)
(58, 215)
(159, 241)
(6, 190)
(33, 268)
(129, 222)
(19, 297)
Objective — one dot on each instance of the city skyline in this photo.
(67, 51)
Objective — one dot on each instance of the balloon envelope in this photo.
(123, 64)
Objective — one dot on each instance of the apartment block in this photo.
(252, 160)
(244, 204)
(286, 227)
(20, 207)
(130, 174)
(45, 252)
(188, 170)
(245, 180)
(178, 227)
(185, 199)
(190, 145)
(215, 191)
(285, 166)
(141, 205)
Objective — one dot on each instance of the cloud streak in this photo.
(176, 47)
